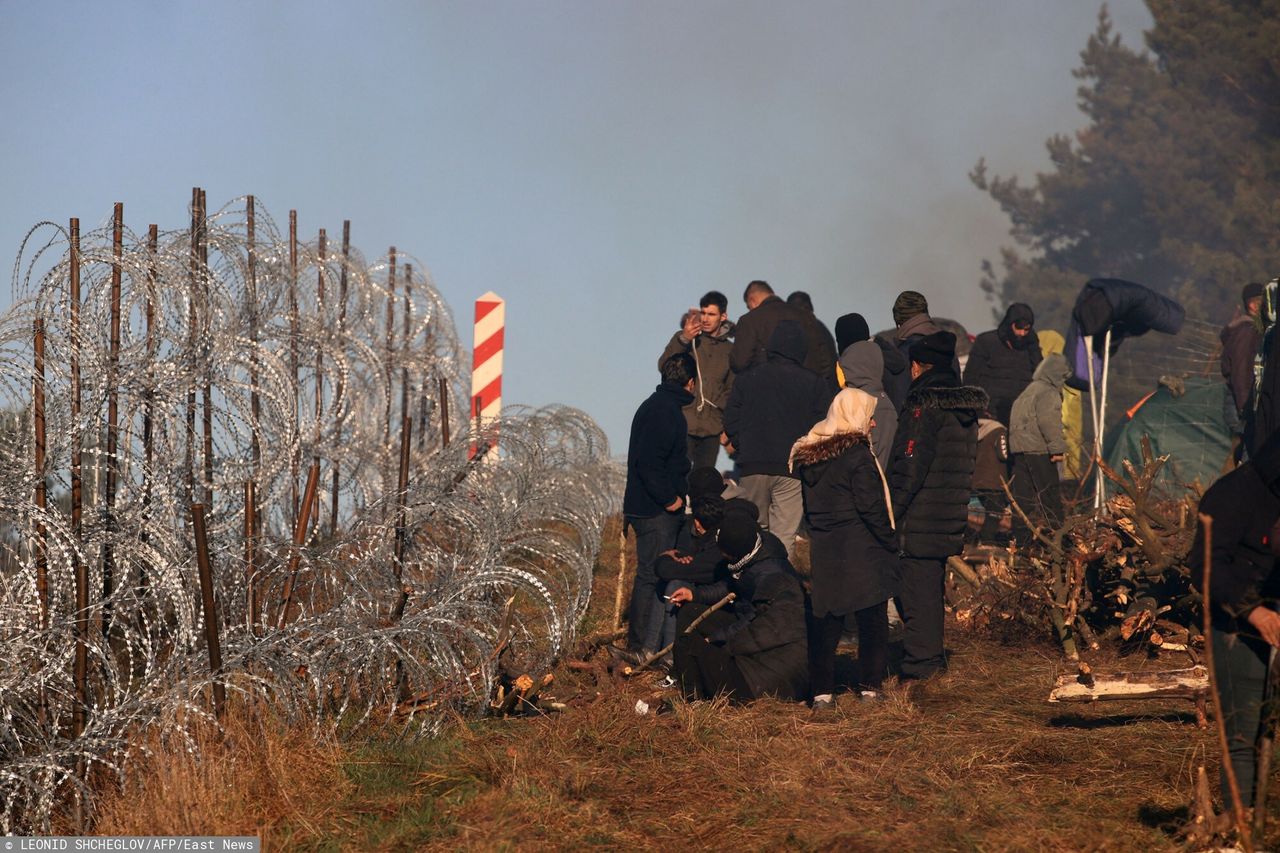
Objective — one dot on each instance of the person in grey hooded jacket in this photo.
(862, 364)
(1037, 442)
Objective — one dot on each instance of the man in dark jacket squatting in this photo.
(657, 465)
(930, 478)
(1243, 588)
(756, 647)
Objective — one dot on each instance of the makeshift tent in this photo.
(1190, 428)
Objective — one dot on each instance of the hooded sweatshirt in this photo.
(862, 364)
(1036, 421)
(1003, 364)
(774, 403)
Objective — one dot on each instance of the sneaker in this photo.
(823, 706)
(667, 682)
(870, 696)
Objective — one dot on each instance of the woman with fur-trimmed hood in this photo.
(853, 554)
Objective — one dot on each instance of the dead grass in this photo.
(976, 761)
(260, 777)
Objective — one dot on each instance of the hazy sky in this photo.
(600, 164)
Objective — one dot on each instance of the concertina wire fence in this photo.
(245, 357)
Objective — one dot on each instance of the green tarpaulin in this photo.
(1190, 428)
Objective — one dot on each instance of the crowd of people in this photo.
(871, 446)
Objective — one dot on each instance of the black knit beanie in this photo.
(705, 482)
(1251, 291)
(908, 304)
(938, 348)
(850, 329)
(737, 536)
(742, 505)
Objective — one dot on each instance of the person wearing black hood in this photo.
(657, 468)
(1003, 360)
(772, 405)
(929, 478)
(821, 357)
(852, 329)
(759, 645)
(1244, 506)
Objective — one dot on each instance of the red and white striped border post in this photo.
(486, 364)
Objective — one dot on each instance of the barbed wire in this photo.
(243, 366)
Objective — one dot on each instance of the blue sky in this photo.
(600, 164)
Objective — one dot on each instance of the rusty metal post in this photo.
(255, 414)
(295, 461)
(189, 452)
(444, 413)
(337, 394)
(391, 340)
(113, 414)
(41, 500)
(148, 393)
(81, 570)
(212, 642)
(207, 390)
(319, 378)
(250, 552)
(299, 539)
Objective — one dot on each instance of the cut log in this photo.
(1191, 683)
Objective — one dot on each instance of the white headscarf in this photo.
(850, 412)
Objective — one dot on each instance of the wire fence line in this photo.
(289, 388)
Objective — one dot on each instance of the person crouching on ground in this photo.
(853, 555)
(760, 646)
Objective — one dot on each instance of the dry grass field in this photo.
(977, 760)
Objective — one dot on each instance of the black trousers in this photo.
(704, 450)
(1037, 490)
(705, 670)
(920, 600)
(873, 648)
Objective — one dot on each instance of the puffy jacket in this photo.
(705, 415)
(933, 458)
(992, 462)
(657, 454)
(773, 404)
(862, 365)
(1002, 364)
(853, 552)
(1245, 507)
(768, 638)
(1036, 422)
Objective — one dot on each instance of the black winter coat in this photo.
(657, 454)
(755, 330)
(1002, 364)
(933, 460)
(769, 636)
(1245, 507)
(820, 354)
(773, 404)
(852, 552)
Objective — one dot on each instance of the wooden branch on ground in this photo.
(648, 662)
(1088, 686)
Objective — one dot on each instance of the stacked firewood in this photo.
(1120, 573)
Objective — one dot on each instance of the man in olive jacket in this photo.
(709, 339)
(930, 479)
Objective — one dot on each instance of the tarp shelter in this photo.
(1190, 428)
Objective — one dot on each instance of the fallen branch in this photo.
(647, 662)
(1088, 686)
